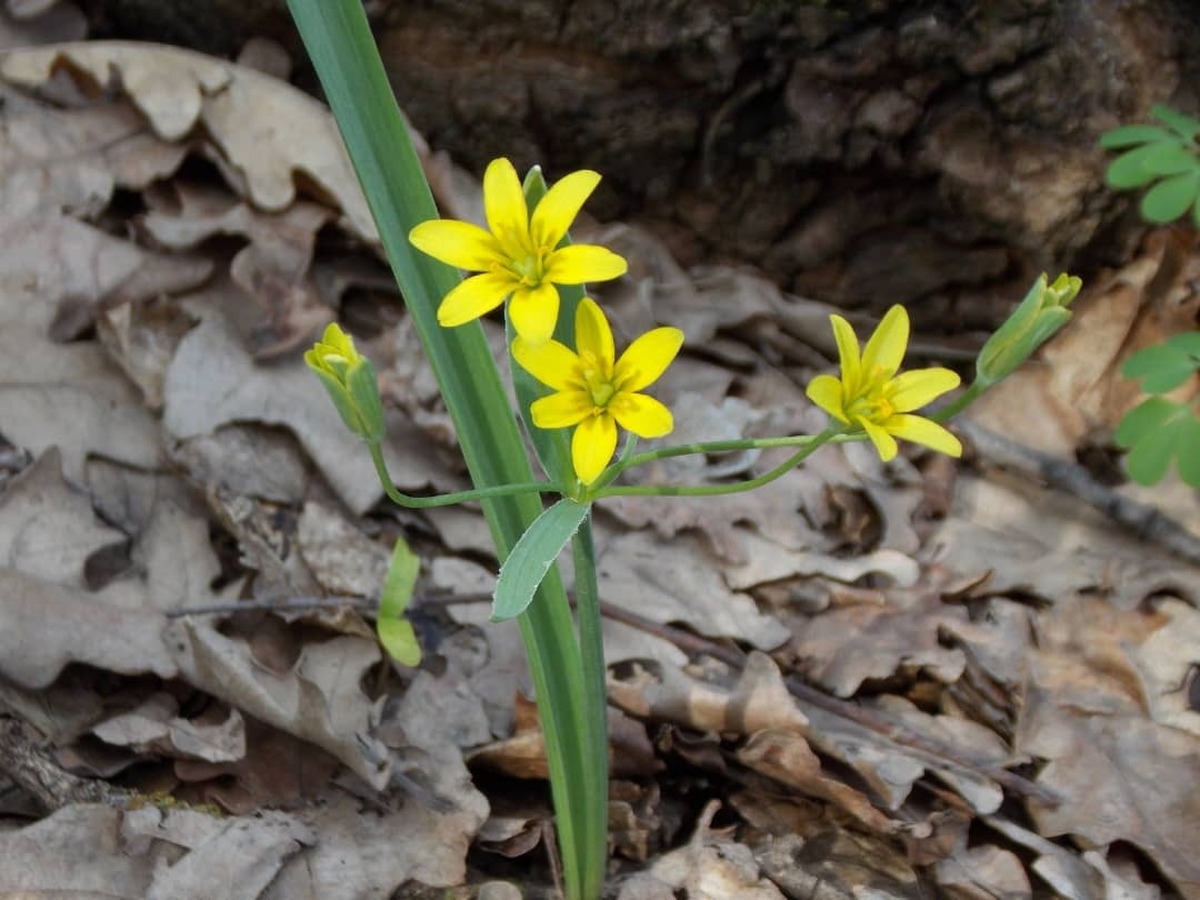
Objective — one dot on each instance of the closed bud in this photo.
(1035, 320)
(349, 378)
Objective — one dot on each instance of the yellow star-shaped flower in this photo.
(520, 257)
(873, 398)
(594, 391)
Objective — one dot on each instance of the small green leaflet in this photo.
(1156, 432)
(396, 632)
(533, 555)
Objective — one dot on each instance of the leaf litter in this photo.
(839, 687)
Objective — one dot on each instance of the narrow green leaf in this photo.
(1184, 126)
(1129, 135)
(533, 555)
(1171, 197)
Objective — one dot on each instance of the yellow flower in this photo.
(520, 257)
(596, 392)
(349, 378)
(871, 396)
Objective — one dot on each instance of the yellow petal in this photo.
(643, 415)
(884, 442)
(580, 263)
(561, 410)
(826, 392)
(885, 350)
(920, 430)
(647, 358)
(551, 363)
(912, 390)
(534, 312)
(553, 215)
(593, 336)
(504, 206)
(848, 358)
(592, 446)
(459, 244)
(473, 298)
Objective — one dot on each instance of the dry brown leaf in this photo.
(213, 382)
(660, 579)
(823, 860)
(1075, 876)
(710, 867)
(341, 558)
(319, 699)
(1122, 778)
(758, 699)
(1038, 541)
(983, 873)
(277, 770)
(48, 530)
(786, 757)
(369, 855)
(73, 397)
(155, 727)
(264, 134)
(229, 858)
(44, 627)
(846, 646)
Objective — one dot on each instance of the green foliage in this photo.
(1158, 430)
(1166, 158)
(533, 555)
(396, 632)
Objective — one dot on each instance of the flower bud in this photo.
(350, 379)
(1034, 321)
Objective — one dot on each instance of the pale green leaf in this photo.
(533, 555)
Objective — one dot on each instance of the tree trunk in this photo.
(928, 152)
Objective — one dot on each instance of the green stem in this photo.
(713, 490)
(488, 493)
(595, 692)
(961, 402)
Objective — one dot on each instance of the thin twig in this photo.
(33, 769)
(1139, 519)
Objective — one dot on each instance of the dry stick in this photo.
(695, 645)
(1143, 521)
(32, 768)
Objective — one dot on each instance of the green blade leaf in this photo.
(533, 555)
(1171, 197)
(1130, 135)
(395, 632)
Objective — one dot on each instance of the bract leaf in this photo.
(533, 555)
(395, 632)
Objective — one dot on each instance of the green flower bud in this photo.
(349, 378)
(1034, 321)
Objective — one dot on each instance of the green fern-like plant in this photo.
(1167, 159)
(1159, 430)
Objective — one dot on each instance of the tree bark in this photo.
(928, 152)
